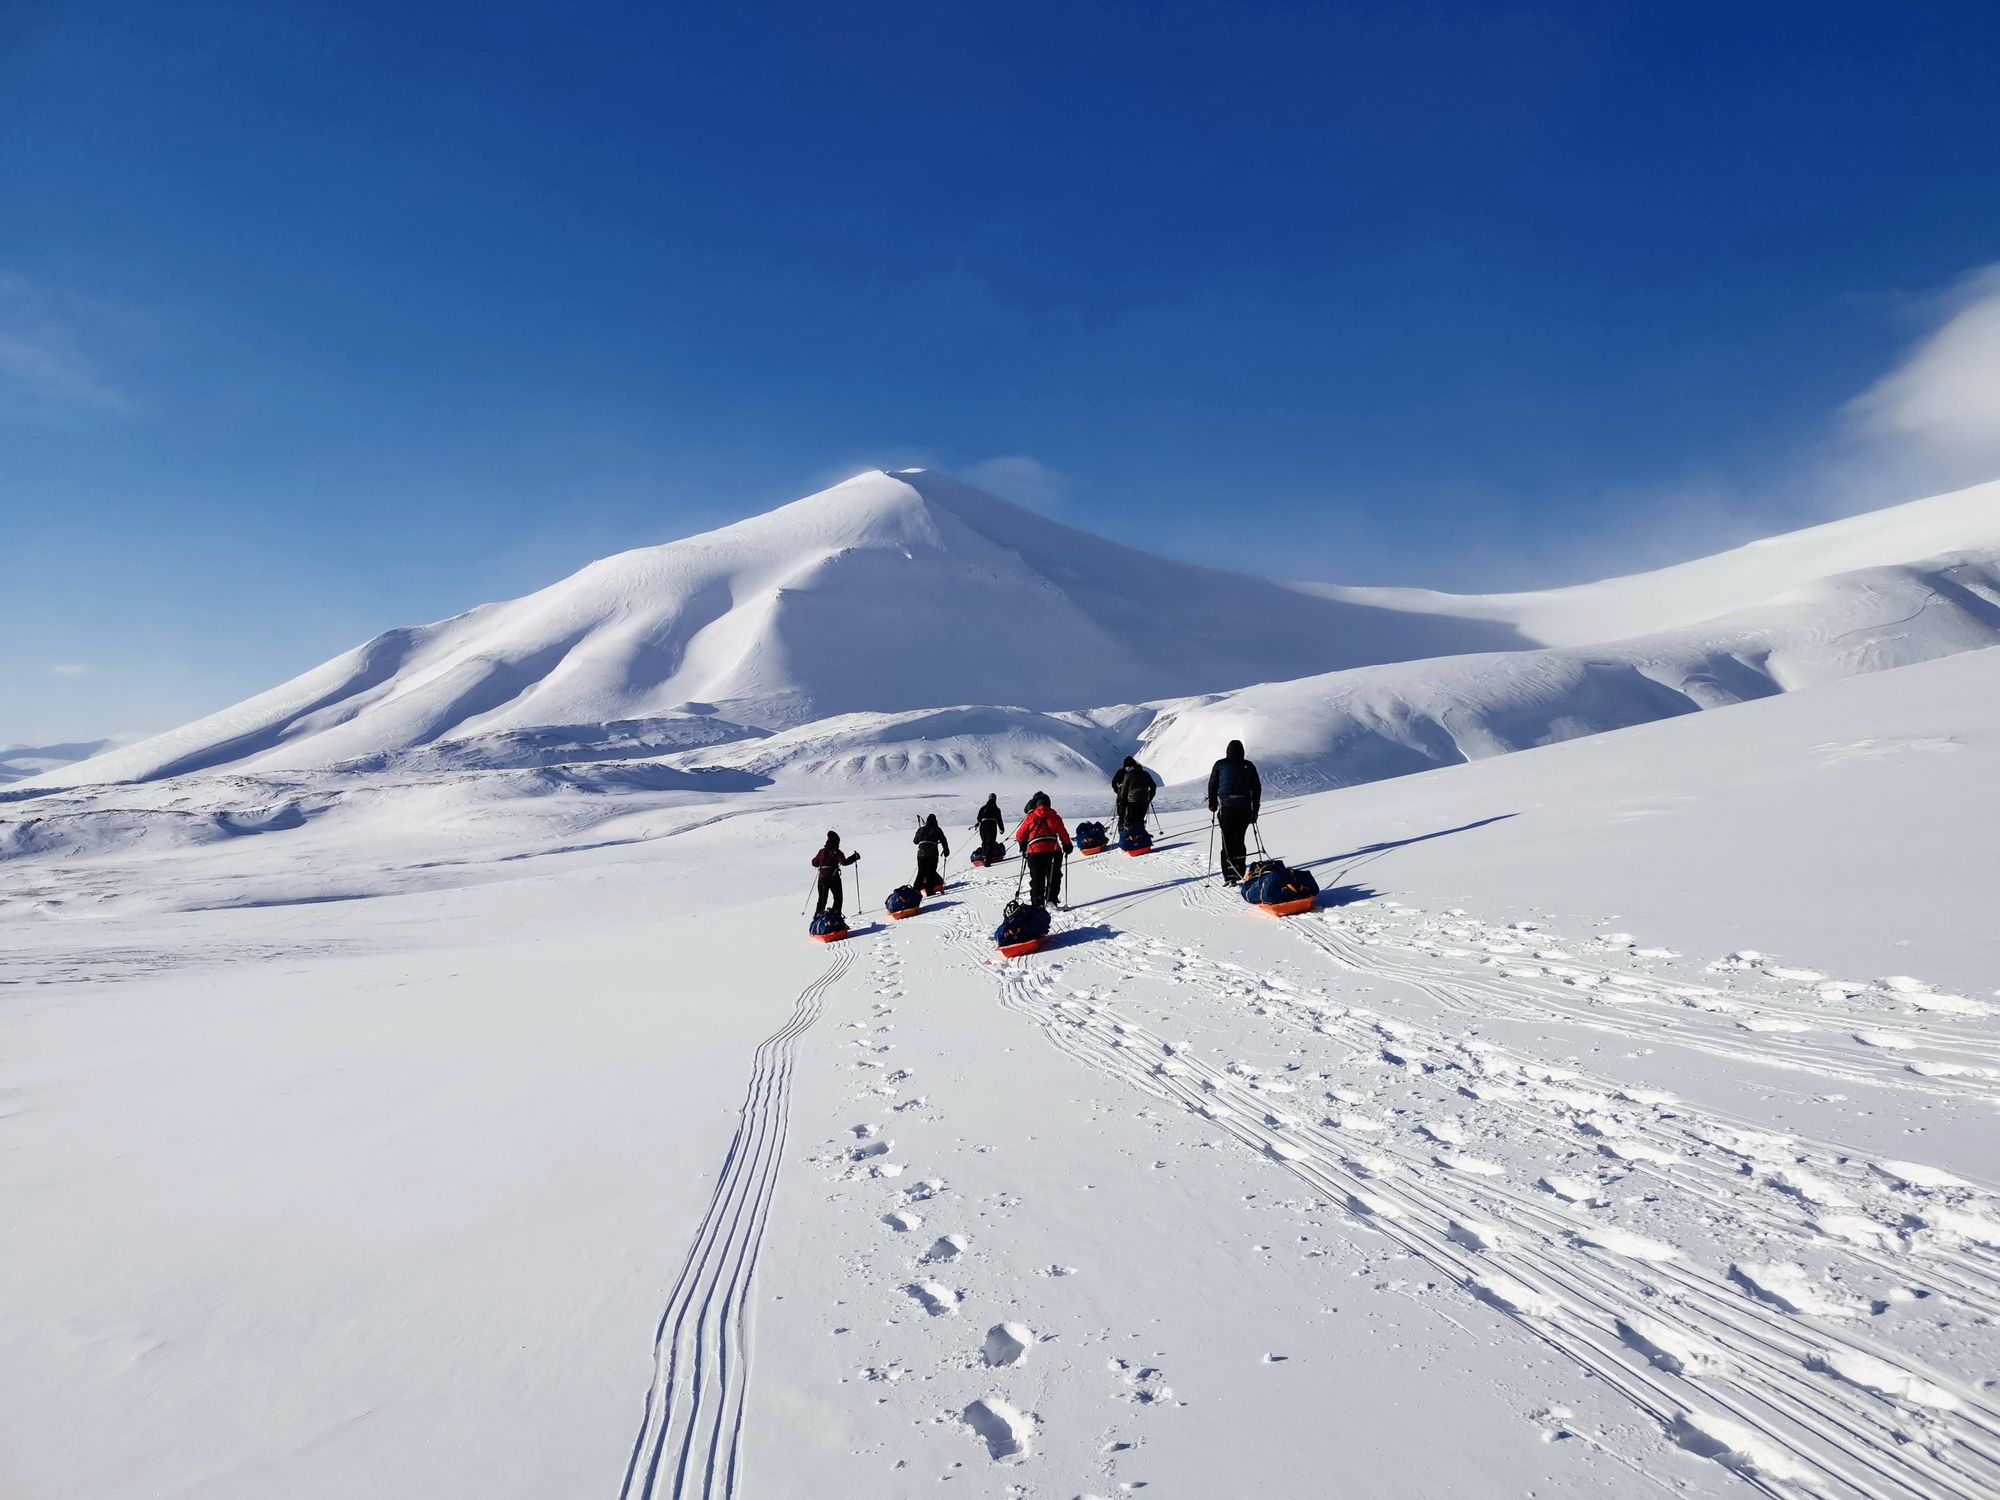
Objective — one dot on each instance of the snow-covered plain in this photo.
(472, 1117)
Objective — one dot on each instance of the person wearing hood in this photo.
(1235, 798)
(930, 842)
(828, 861)
(1132, 789)
(989, 821)
(1044, 841)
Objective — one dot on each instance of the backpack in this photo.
(1091, 836)
(828, 922)
(1135, 839)
(1232, 781)
(904, 900)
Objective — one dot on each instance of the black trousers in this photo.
(927, 866)
(1132, 815)
(1045, 878)
(829, 893)
(1234, 822)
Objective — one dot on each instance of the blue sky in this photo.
(319, 318)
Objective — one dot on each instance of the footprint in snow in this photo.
(1007, 1345)
(935, 1297)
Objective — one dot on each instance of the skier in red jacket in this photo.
(1044, 841)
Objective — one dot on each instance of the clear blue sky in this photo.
(319, 318)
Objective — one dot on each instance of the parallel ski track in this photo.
(1770, 1407)
(691, 1432)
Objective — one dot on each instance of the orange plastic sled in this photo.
(904, 916)
(1021, 950)
(1290, 908)
(830, 937)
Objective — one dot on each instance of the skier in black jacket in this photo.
(930, 842)
(1235, 797)
(989, 821)
(1132, 788)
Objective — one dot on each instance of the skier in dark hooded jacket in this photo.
(828, 862)
(1235, 797)
(989, 821)
(930, 842)
(1132, 789)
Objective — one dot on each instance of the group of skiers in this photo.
(1235, 799)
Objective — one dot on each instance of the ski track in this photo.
(1726, 1365)
(691, 1431)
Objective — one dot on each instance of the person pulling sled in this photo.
(989, 820)
(1043, 841)
(828, 861)
(1235, 797)
(931, 844)
(1132, 789)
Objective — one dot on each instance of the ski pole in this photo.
(1211, 843)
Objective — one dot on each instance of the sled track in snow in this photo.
(1789, 1403)
(691, 1432)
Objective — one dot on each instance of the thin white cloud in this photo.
(1936, 416)
(69, 669)
(43, 366)
(1016, 476)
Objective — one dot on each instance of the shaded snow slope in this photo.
(888, 592)
(1965, 521)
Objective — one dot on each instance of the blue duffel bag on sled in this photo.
(1279, 889)
(1022, 930)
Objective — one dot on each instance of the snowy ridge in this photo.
(1343, 728)
(1964, 521)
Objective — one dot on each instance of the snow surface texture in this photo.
(478, 1128)
(852, 624)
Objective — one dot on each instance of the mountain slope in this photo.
(1965, 521)
(885, 593)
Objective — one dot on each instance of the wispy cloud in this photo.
(44, 367)
(1935, 418)
(69, 669)
(1016, 476)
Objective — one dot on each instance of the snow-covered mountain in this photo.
(888, 592)
(905, 627)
